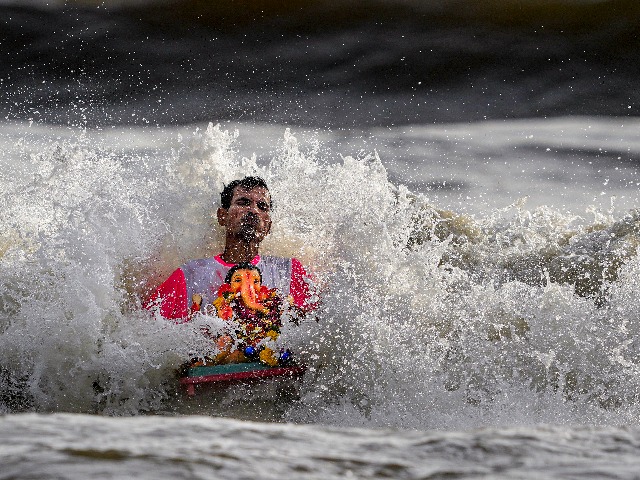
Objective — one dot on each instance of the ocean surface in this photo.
(462, 178)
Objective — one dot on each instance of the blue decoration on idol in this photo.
(249, 351)
(284, 356)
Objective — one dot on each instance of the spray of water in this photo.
(428, 318)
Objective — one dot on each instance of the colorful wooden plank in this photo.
(235, 371)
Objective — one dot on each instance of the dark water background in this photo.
(464, 345)
(319, 64)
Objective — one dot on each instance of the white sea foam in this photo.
(429, 318)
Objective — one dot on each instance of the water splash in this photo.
(428, 318)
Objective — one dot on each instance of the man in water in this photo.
(245, 214)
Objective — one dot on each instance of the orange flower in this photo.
(272, 334)
(269, 357)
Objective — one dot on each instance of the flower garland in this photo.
(255, 328)
(255, 324)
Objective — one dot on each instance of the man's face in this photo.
(249, 215)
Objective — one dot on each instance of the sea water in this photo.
(431, 319)
(479, 297)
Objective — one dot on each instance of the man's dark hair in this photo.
(247, 182)
(241, 266)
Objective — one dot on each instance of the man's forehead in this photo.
(255, 192)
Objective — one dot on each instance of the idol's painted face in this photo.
(248, 218)
(247, 282)
(245, 278)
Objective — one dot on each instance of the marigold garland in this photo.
(255, 329)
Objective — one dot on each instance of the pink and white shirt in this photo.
(205, 276)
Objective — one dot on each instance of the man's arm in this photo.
(300, 289)
(171, 297)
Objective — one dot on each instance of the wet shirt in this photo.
(205, 276)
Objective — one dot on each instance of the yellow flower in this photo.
(268, 356)
(272, 334)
